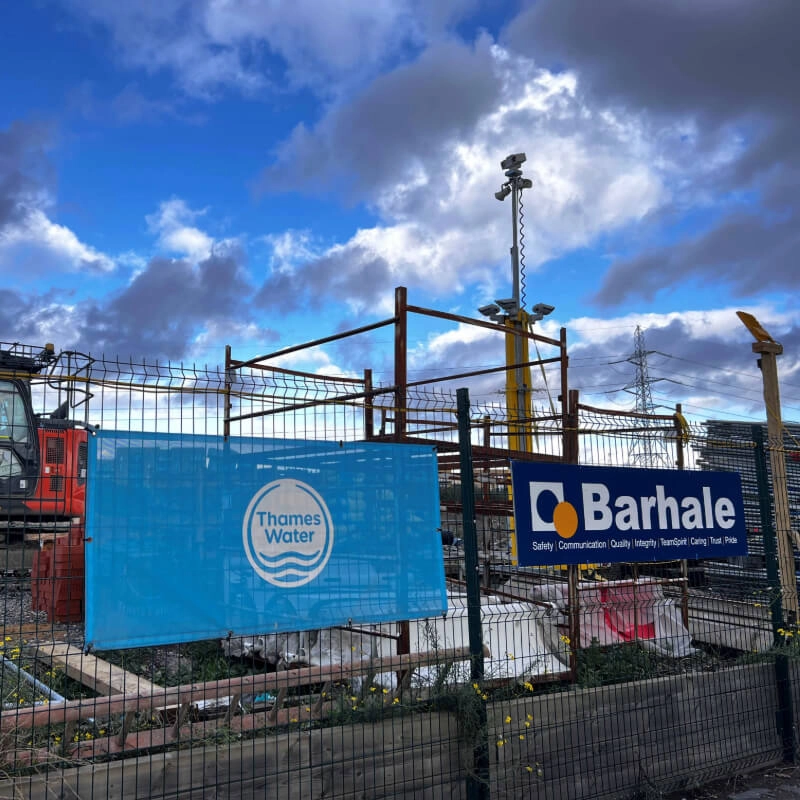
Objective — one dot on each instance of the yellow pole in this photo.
(518, 401)
(518, 386)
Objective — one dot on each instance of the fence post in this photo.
(783, 683)
(572, 456)
(478, 780)
(680, 432)
(226, 421)
(369, 406)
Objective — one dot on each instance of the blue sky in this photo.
(176, 176)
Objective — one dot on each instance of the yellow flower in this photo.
(522, 737)
(528, 685)
(372, 688)
(293, 719)
(475, 686)
(484, 697)
(529, 768)
(527, 724)
(756, 605)
(308, 708)
(385, 691)
(501, 742)
(530, 717)
(395, 701)
(353, 699)
(508, 719)
(510, 655)
(564, 639)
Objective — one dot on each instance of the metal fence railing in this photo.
(602, 681)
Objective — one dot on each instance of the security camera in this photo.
(509, 305)
(489, 310)
(544, 309)
(514, 161)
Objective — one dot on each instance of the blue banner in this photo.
(568, 514)
(191, 537)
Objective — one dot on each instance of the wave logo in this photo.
(287, 533)
(564, 520)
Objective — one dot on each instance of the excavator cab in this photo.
(20, 460)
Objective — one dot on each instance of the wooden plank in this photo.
(97, 674)
(53, 713)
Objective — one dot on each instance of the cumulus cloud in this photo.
(27, 234)
(173, 225)
(420, 146)
(37, 232)
(247, 45)
(165, 307)
(723, 74)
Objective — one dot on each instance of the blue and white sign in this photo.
(191, 537)
(569, 514)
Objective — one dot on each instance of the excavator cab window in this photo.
(14, 422)
(15, 429)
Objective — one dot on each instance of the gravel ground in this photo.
(20, 619)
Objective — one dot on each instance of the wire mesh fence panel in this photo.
(162, 637)
(673, 667)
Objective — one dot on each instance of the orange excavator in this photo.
(43, 463)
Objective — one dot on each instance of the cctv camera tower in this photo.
(647, 449)
(518, 378)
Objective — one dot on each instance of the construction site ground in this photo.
(781, 782)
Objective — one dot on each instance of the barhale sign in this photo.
(570, 514)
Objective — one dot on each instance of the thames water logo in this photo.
(287, 533)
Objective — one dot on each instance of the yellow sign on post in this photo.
(754, 326)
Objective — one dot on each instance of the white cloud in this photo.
(172, 223)
(36, 230)
(441, 228)
(214, 44)
(719, 323)
(290, 248)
